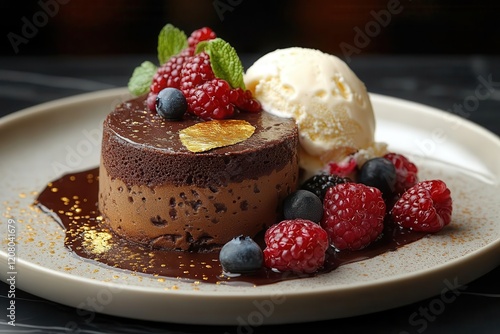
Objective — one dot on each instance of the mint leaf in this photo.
(171, 41)
(224, 60)
(141, 78)
(200, 47)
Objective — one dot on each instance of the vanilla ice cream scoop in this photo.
(329, 103)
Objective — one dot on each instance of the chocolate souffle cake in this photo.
(156, 192)
(160, 185)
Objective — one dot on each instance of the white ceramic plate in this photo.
(40, 143)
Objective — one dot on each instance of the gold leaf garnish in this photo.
(208, 135)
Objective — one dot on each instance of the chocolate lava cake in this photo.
(156, 192)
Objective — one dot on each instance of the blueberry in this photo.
(379, 173)
(303, 204)
(171, 104)
(241, 255)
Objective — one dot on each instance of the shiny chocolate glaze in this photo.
(72, 201)
(141, 148)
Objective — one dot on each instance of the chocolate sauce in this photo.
(72, 201)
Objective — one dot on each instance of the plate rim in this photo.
(381, 281)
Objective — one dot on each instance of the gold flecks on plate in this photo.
(212, 134)
(97, 242)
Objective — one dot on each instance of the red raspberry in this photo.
(406, 172)
(296, 245)
(343, 168)
(202, 34)
(426, 207)
(210, 100)
(245, 101)
(196, 70)
(167, 75)
(353, 215)
(151, 101)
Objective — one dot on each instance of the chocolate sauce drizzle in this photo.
(72, 201)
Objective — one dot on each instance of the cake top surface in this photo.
(133, 122)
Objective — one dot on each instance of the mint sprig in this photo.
(171, 41)
(141, 78)
(225, 62)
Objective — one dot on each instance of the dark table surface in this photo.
(438, 81)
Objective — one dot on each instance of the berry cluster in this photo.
(334, 211)
(206, 95)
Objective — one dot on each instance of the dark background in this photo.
(114, 27)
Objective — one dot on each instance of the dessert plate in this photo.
(41, 143)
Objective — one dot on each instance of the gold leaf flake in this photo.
(208, 135)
